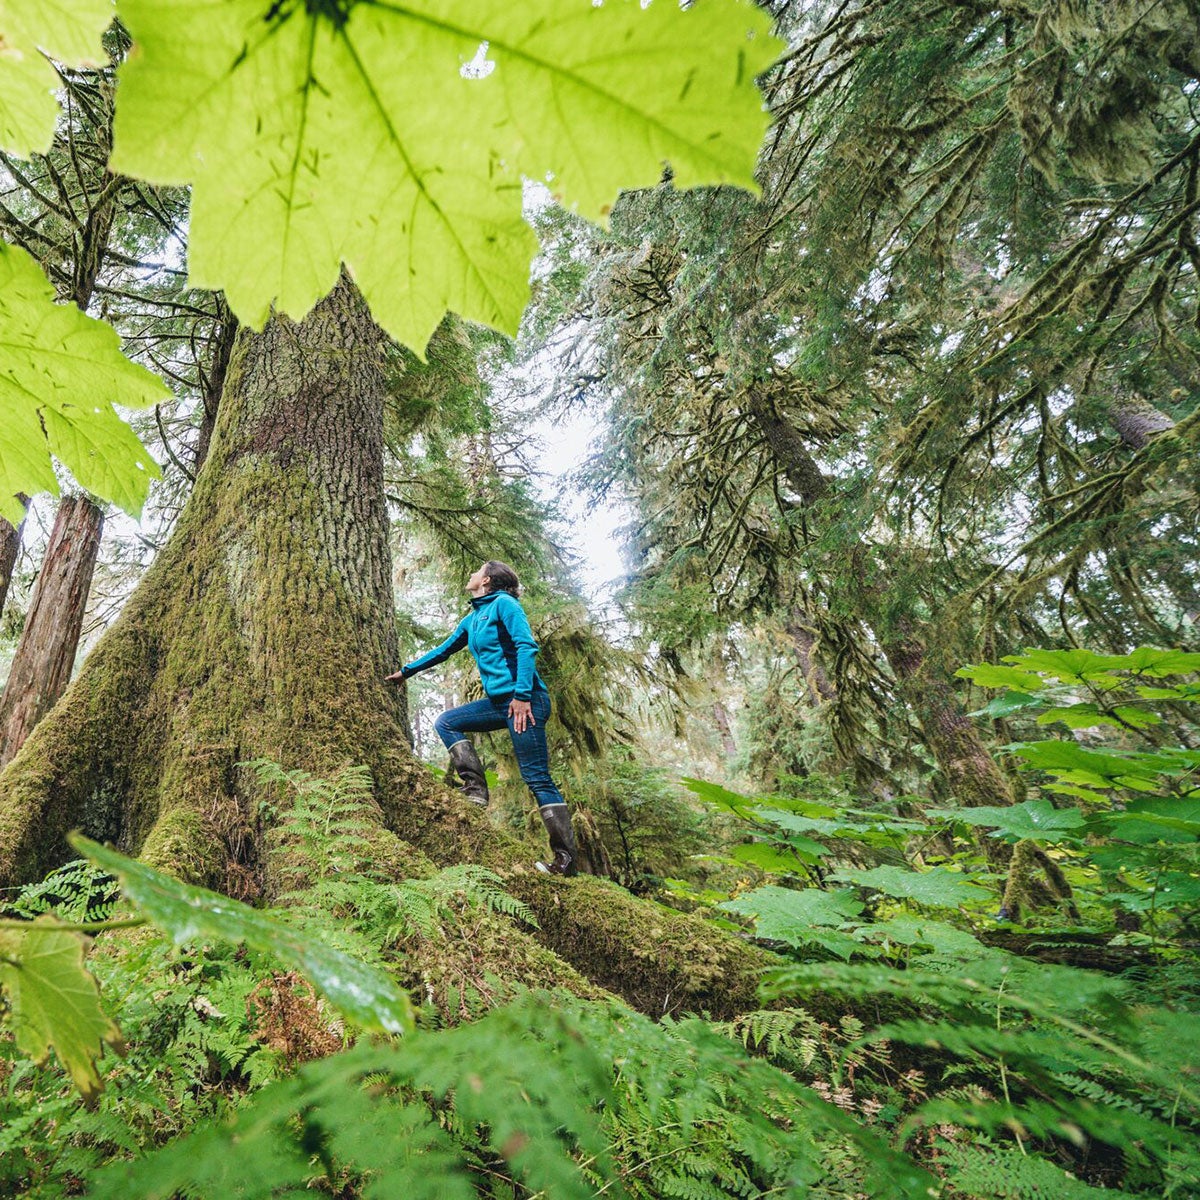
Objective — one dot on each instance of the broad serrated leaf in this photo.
(1036, 819)
(65, 30)
(1072, 764)
(781, 859)
(1170, 890)
(61, 372)
(188, 914)
(1157, 663)
(320, 134)
(939, 885)
(904, 929)
(990, 675)
(1159, 819)
(787, 915)
(801, 823)
(1083, 716)
(1009, 703)
(55, 1002)
(1180, 691)
(719, 797)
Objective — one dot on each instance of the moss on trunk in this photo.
(265, 629)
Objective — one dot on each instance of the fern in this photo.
(320, 823)
(422, 906)
(1061, 1061)
(77, 892)
(990, 1172)
(557, 1095)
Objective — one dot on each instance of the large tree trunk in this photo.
(264, 629)
(45, 654)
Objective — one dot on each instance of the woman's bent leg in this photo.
(452, 726)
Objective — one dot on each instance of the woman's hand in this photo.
(520, 713)
(398, 677)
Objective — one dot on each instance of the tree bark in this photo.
(1136, 420)
(265, 628)
(212, 379)
(10, 547)
(804, 640)
(45, 654)
(721, 719)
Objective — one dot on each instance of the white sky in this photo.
(563, 445)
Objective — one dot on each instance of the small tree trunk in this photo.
(1136, 420)
(212, 379)
(970, 770)
(804, 640)
(45, 654)
(721, 717)
(10, 547)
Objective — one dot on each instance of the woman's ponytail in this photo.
(503, 578)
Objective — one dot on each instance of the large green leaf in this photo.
(779, 858)
(778, 908)
(1009, 703)
(60, 374)
(188, 914)
(1071, 763)
(1036, 819)
(1086, 715)
(798, 918)
(989, 675)
(68, 31)
(720, 797)
(317, 134)
(939, 885)
(54, 1002)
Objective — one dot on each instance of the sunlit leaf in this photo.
(1066, 665)
(55, 1003)
(189, 914)
(67, 31)
(61, 372)
(320, 134)
(990, 675)
(777, 858)
(1084, 716)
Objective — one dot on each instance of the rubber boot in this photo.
(469, 769)
(562, 841)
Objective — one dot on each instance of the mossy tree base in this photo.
(264, 629)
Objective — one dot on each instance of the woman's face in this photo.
(479, 583)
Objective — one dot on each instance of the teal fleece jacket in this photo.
(497, 633)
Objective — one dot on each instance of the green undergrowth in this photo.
(261, 1053)
(244, 1065)
(1038, 1020)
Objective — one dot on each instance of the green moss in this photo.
(658, 961)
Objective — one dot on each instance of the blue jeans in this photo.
(487, 716)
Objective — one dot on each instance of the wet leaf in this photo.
(189, 914)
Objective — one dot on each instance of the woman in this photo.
(498, 635)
